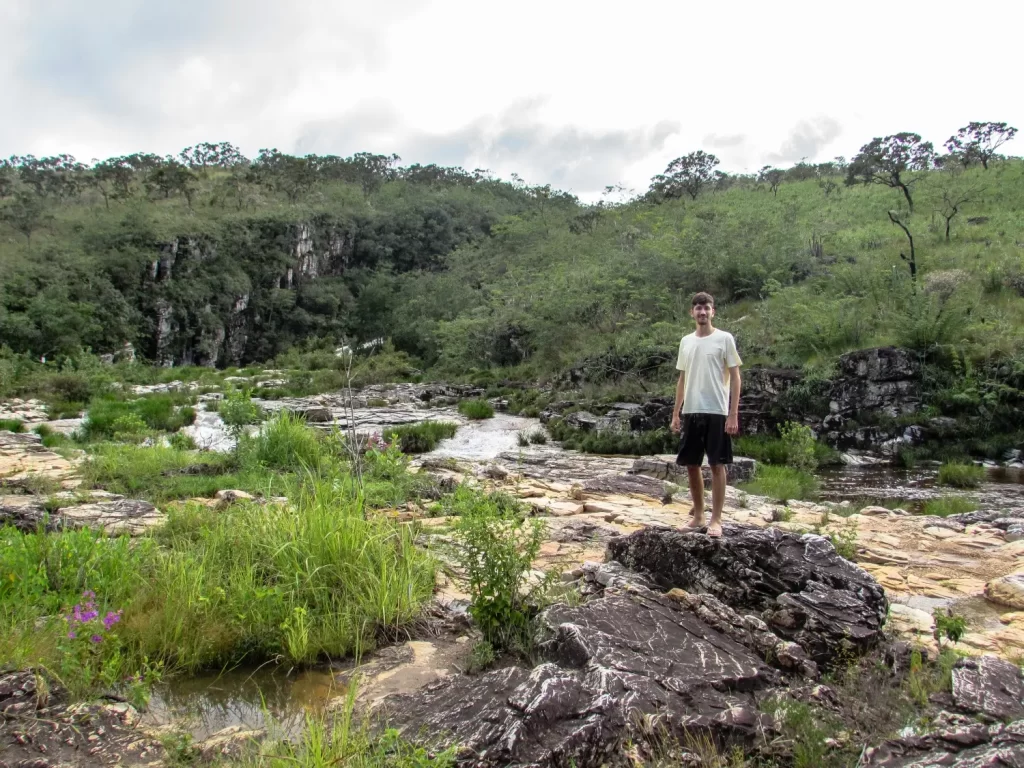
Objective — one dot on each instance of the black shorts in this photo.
(704, 433)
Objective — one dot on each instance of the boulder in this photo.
(620, 666)
(226, 497)
(317, 415)
(803, 589)
(989, 686)
(966, 745)
(1007, 590)
(583, 421)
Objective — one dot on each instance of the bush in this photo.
(961, 475)
(948, 505)
(237, 411)
(495, 546)
(613, 442)
(182, 442)
(108, 417)
(799, 444)
(422, 437)
(538, 437)
(476, 409)
(11, 425)
(51, 439)
(795, 447)
(782, 484)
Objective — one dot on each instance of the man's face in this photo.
(702, 313)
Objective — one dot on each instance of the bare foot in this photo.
(695, 523)
(715, 530)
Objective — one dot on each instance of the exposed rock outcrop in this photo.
(966, 746)
(133, 517)
(803, 589)
(989, 686)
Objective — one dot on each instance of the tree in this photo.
(112, 179)
(902, 220)
(7, 176)
(954, 197)
(25, 213)
(171, 176)
(292, 175)
(890, 161)
(978, 142)
(203, 156)
(772, 177)
(689, 173)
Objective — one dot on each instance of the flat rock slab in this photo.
(990, 686)
(129, 516)
(620, 666)
(971, 746)
(804, 590)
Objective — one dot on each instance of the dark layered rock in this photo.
(989, 686)
(965, 746)
(625, 665)
(39, 727)
(803, 589)
(664, 467)
(131, 516)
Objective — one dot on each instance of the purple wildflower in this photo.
(111, 619)
(72, 635)
(89, 594)
(96, 639)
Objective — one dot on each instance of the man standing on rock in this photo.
(708, 394)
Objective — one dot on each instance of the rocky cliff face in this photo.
(201, 304)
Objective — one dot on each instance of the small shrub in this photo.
(538, 437)
(476, 409)
(799, 443)
(109, 417)
(284, 443)
(11, 425)
(949, 626)
(948, 505)
(377, 402)
(182, 442)
(522, 439)
(906, 457)
(422, 437)
(960, 475)
(51, 439)
(782, 484)
(237, 410)
(495, 545)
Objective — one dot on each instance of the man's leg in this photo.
(717, 493)
(697, 495)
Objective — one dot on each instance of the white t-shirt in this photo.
(706, 361)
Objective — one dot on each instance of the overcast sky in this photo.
(576, 94)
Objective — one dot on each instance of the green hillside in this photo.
(474, 277)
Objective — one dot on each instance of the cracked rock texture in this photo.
(803, 589)
(989, 686)
(970, 746)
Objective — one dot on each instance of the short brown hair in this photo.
(702, 298)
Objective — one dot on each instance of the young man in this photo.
(708, 393)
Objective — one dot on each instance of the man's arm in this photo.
(680, 386)
(732, 423)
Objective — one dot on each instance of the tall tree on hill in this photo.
(689, 173)
(25, 213)
(206, 155)
(171, 176)
(978, 142)
(772, 177)
(112, 178)
(902, 220)
(891, 161)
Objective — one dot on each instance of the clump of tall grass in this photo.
(961, 475)
(948, 505)
(285, 443)
(12, 425)
(109, 418)
(782, 483)
(422, 437)
(476, 409)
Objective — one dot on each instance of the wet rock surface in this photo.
(803, 589)
(39, 728)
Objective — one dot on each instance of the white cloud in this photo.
(577, 94)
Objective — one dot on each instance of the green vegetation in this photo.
(611, 442)
(495, 546)
(845, 542)
(795, 447)
(782, 484)
(948, 505)
(949, 626)
(422, 437)
(320, 576)
(476, 409)
(109, 417)
(961, 475)
(12, 425)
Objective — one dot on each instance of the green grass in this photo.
(12, 425)
(476, 409)
(782, 484)
(613, 442)
(109, 417)
(286, 443)
(773, 450)
(948, 505)
(422, 437)
(960, 475)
